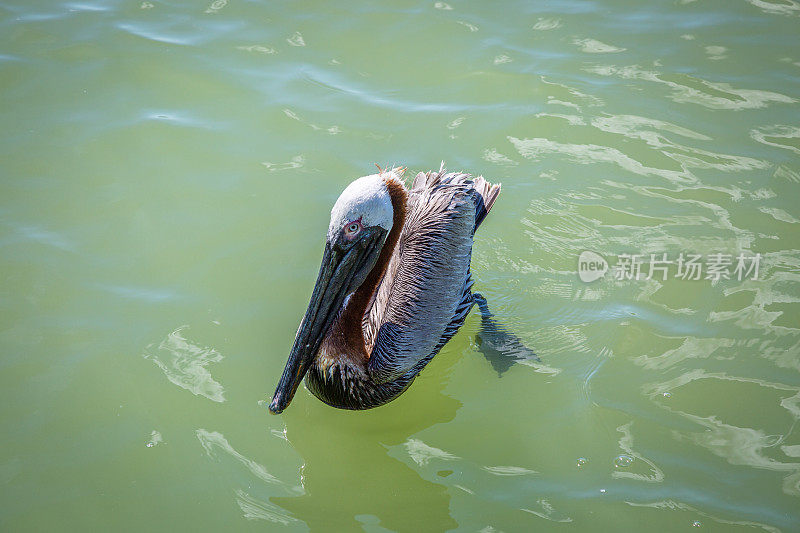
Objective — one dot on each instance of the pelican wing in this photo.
(422, 301)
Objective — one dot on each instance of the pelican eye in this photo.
(352, 229)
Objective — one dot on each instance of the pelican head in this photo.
(361, 219)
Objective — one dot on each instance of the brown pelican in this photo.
(393, 288)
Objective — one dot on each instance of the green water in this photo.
(167, 172)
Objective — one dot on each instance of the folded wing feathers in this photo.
(425, 294)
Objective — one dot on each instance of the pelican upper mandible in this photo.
(394, 286)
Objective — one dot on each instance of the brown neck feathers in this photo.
(350, 321)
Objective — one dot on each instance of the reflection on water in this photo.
(175, 163)
(782, 7)
(779, 135)
(627, 464)
(500, 347)
(421, 453)
(376, 474)
(745, 446)
(592, 46)
(508, 470)
(690, 512)
(255, 509)
(184, 364)
(688, 89)
(547, 512)
(155, 439)
(212, 441)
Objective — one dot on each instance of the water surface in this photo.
(168, 170)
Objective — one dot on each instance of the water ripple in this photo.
(593, 46)
(184, 364)
(255, 509)
(213, 441)
(687, 89)
(673, 505)
(780, 136)
(422, 454)
(508, 470)
(586, 154)
(783, 7)
(654, 475)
